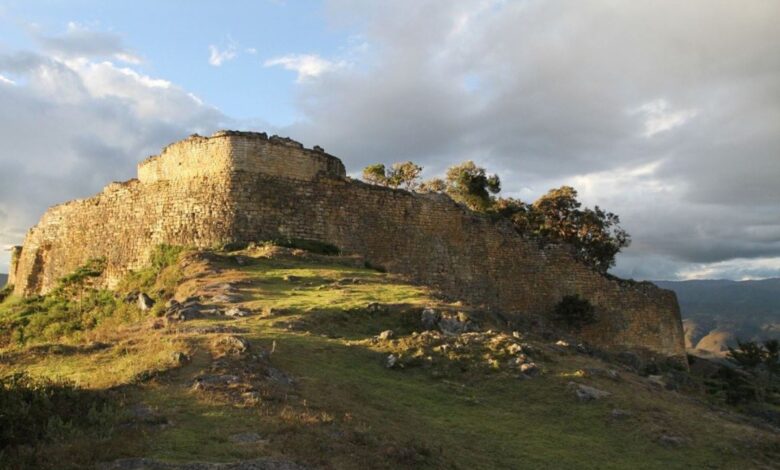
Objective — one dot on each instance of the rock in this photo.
(210, 382)
(145, 302)
(180, 358)
(671, 441)
(611, 374)
(657, 380)
(252, 397)
(617, 413)
(514, 348)
(520, 359)
(237, 312)
(430, 319)
(248, 438)
(275, 375)
(376, 307)
(529, 369)
(453, 325)
(234, 344)
(562, 343)
(391, 361)
(291, 278)
(587, 393)
(226, 298)
(385, 335)
(516, 334)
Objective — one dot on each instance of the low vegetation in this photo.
(306, 357)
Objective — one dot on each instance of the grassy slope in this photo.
(348, 411)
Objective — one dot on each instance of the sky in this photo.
(664, 112)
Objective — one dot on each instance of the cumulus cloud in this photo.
(667, 113)
(219, 56)
(72, 124)
(305, 65)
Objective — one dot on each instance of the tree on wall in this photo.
(471, 185)
(558, 216)
(595, 234)
(402, 174)
(375, 174)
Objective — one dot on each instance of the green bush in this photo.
(165, 255)
(575, 311)
(6, 292)
(34, 411)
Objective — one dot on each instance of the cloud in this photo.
(217, 57)
(79, 41)
(70, 125)
(306, 65)
(659, 118)
(667, 113)
(7, 81)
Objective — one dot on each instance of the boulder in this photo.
(529, 368)
(234, 344)
(430, 319)
(391, 361)
(587, 393)
(385, 335)
(145, 302)
(237, 312)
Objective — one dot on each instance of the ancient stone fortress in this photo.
(242, 187)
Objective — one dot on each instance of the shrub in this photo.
(5, 292)
(165, 255)
(575, 311)
(33, 411)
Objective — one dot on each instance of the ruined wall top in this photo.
(230, 151)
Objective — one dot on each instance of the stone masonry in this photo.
(242, 187)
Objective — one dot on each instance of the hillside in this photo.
(717, 312)
(283, 358)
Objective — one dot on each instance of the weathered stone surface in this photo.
(145, 302)
(587, 393)
(245, 187)
(385, 335)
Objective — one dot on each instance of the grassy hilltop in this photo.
(285, 358)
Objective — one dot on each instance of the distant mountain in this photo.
(717, 312)
(3, 280)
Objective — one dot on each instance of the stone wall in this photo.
(247, 187)
(228, 151)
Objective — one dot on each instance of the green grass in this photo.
(348, 411)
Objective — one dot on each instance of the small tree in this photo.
(471, 185)
(762, 361)
(434, 185)
(575, 311)
(405, 174)
(595, 234)
(375, 174)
